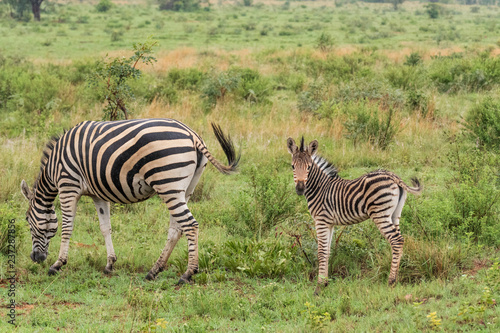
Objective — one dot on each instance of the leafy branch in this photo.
(112, 75)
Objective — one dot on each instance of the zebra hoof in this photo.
(53, 271)
(150, 276)
(108, 270)
(183, 281)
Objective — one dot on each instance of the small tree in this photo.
(112, 76)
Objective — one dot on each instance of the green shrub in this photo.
(433, 10)
(253, 87)
(475, 193)
(104, 5)
(325, 42)
(368, 122)
(419, 102)
(180, 5)
(456, 73)
(186, 79)
(482, 123)
(413, 59)
(266, 201)
(164, 91)
(217, 84)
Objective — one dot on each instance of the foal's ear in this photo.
(292, 147)
(313, 147)
(26, 190)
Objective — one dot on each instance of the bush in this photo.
(455, 73)
(325, 42)
(216, 86)
(433, 10)
(267, 200)
(253, 87)
(475, 193)
(104, 6)
(368, 122)
(180, 5)
(482, 123)
(186, 79)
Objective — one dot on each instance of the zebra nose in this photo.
(38, 257)
(300, 187)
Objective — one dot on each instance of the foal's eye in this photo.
(293, 167)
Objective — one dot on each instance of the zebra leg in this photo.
(174, 233)
(181, 221)
(324, 234)
(68, 209)
(103, 212)
(392, 234)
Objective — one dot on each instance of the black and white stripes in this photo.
(379, 195)
(122, 162)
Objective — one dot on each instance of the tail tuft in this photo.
(417, 189)
(228, 147)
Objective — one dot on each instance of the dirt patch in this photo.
(479, 264)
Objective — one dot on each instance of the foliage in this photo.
(21, 9)
(413, 59)
(458, 73)
(370, 123)
(315, 321)
(265, 201)
(325, 42)
(186, 79)
(104, 6)
(180, 5)
(475, 193)
(433, 10)
(482, 122)
(218, 84)
(112, 75)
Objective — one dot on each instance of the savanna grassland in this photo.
(414, 90)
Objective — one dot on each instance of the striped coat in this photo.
(121, 162)
(379, 195)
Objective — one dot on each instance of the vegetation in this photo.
(378, 88)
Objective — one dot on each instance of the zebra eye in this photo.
(293, 167)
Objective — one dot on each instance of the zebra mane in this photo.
(325, 166)
(49, 146)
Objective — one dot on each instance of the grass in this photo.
(254, 274)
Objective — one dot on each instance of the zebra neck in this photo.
(44, 190)
(316, 180)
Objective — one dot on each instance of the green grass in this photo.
(78, 30)
(254, 276)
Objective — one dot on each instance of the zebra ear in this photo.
(26, 190)
(292, 147)
(313, 147)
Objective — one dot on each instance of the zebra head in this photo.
(42, 220)
(301, 162)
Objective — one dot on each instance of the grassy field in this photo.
(377, 88)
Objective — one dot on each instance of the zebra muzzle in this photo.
(38, 257)
(300, 188)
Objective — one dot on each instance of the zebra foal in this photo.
(121, 162)
(379, 195)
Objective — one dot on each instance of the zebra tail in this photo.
(228, 147)
(417, 189)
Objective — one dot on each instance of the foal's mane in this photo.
(325, 166)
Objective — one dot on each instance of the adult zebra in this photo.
(379, 195)
(122, 162)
